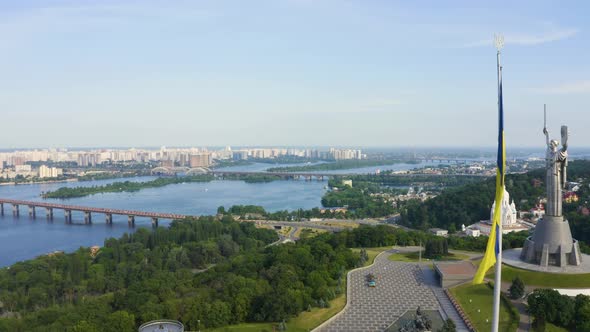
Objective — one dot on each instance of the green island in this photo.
(252, 178)
(230, 163)
(111, 175)
(340, 164)
(271, 161)
(127, 186)
(131, 186)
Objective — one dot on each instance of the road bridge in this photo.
(88, 211)
(325, 175)
(282, 175)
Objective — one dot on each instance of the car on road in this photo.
(371, 280)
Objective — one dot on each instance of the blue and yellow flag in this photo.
(493, 247)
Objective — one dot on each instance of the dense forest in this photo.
(388, 178)
(472, 202)
(548, 306)
(218, 272)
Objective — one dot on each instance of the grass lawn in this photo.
(479, 297)
(306, 321)
(542, 279)
(414, 257)
(305, 233)
(246, 327)
(372, 252)
(552, 328)
(336, 223)
(285, 230)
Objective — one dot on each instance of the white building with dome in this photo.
(508, 210)
(510, 221)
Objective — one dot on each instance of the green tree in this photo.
(119, 321)
(436, 247)
(582, 317)
(547, 305)
(516, 290)
(448, 326)
(85, 326)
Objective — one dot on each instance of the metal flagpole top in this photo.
(498, 41)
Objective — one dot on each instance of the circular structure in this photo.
(162, 325)
(512, 258)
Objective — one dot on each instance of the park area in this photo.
(415, 257)
(476, 301)
(307, 320)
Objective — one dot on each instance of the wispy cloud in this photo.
(383, 103)
(25, 24)
(566, 88)
(524, 39)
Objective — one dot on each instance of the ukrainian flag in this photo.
(494, 245)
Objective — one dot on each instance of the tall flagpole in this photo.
(499, 42)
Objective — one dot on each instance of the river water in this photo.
(24, 237)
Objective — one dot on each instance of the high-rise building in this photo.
(49, 172)
(199, 160)
(239, 155)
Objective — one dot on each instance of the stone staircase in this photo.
(445, 302)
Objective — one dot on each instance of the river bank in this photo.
(37, 182)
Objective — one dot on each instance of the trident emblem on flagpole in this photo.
(498, 42)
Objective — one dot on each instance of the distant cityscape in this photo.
(40, 162)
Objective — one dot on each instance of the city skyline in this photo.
(288, 73)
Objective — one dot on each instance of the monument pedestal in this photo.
(552, 244)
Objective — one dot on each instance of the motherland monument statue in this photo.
(552, 242)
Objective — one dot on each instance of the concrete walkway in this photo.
(525, 320)
(447, 307)
(400, 287)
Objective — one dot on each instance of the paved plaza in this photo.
(512, 257)
(400, 287)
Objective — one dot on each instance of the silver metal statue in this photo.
(556, 168)
(552, 243)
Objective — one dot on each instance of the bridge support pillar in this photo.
(131, 221)
(1, 209)
(49, 213)
(109, 219)
(32, 212)
(68, 216)
(155, 222)
(15, 210)
(87, 217)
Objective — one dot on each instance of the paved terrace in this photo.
(400, 287)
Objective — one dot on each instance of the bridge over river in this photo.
(323, 175)
(49, 207)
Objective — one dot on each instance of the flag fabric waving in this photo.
(493, 247)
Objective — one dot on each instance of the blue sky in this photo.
(289, 72)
